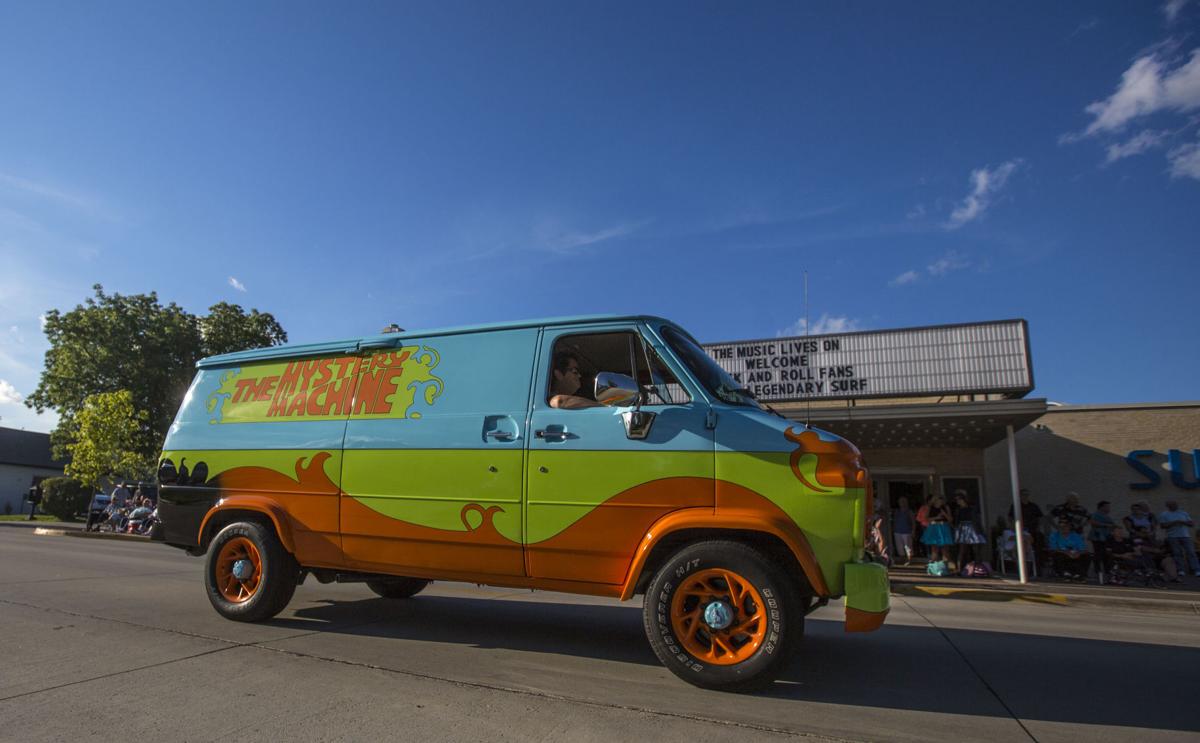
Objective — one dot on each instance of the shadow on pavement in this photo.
(1039, 677)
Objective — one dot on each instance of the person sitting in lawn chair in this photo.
(1068, 552)
(1129, 560)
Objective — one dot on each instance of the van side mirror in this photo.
(616, 390)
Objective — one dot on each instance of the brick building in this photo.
(1087, 448)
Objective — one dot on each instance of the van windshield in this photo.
(710, 374)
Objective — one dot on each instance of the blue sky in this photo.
(344, 166)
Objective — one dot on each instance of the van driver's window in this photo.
(577, 359)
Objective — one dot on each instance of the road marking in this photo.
(1057, 599)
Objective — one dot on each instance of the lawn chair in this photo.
(1008, 551)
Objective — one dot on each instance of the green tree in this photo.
(227, 328)
(132, 342)
(105, 441)
(117, 342)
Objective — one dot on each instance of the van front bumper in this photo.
(867, 596)
(182, 509)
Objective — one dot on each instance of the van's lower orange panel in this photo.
(310, 501)
(396, 544)
(313, 548)
(599, 547)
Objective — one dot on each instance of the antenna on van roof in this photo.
(807, 332)
(393, 328)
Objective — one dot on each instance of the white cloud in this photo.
(11, 363)
(553, 236)
(1087, 25)
(8, 393)
(1171, 9)
(985, 183)
(1185, 161)
(1136, 145)
(951, 261)
(825, 324)
(63, 197)
(1148, 86)
(237, 284)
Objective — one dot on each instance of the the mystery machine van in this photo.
(596, 455)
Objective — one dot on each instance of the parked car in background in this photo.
(95, 513)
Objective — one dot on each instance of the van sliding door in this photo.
(434, 453)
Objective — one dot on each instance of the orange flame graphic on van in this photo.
(310, 478)
(839, 463)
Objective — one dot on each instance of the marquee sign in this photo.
(912, 362)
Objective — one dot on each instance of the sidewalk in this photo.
(1177, 597)
(43, 524)
(69, 529)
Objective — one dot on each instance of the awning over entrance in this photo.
(924, 425)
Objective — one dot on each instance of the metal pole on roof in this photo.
(1019, 522)
(807, 332)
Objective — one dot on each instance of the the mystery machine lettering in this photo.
(383, 385)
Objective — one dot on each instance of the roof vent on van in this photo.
(393, 328)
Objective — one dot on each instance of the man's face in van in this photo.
(567, 381)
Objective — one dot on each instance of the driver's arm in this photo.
(572, 402)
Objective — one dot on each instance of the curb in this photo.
(1171, 605)
(56, 525)
(52, 532)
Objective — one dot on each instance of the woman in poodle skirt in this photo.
(938, 537)
(966, 528)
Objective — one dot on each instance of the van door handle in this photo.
(550, 434)
(500, 435)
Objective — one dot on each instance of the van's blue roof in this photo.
(351, 345)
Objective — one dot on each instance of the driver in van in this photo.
(566, 382)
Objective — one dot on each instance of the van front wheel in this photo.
(720, 615)
(248, 574)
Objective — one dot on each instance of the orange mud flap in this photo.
(867, 601)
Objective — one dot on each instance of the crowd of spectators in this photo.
(1139, 544)
(129, 512)
(1069, 541)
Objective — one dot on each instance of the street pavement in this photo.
(108, 639)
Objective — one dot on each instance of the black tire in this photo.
(276, 580)
(782, 617)
(397, 588)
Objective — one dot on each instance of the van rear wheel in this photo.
(397, 588)
(721, 615)
(248, 574)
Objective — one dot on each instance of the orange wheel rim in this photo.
(719, 617)
(239, 570)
